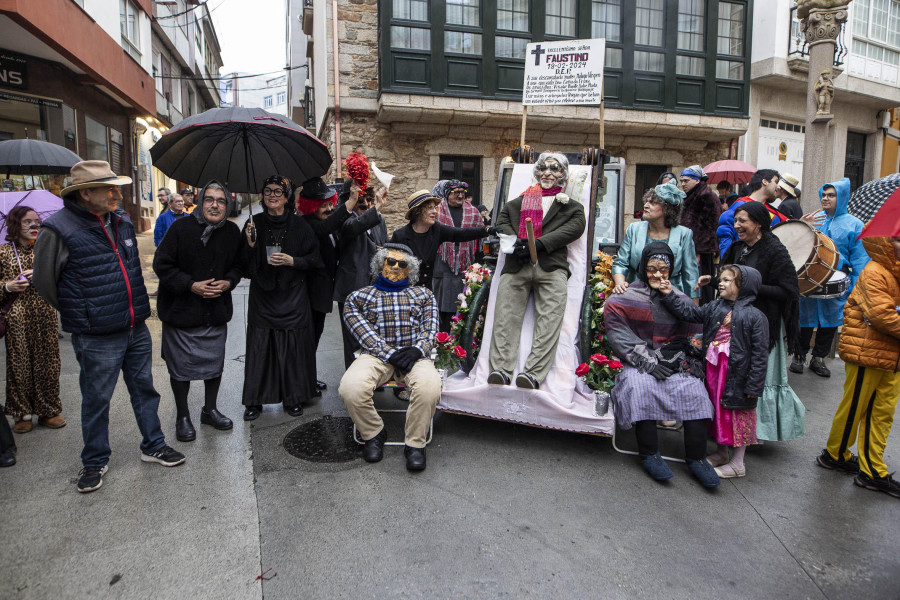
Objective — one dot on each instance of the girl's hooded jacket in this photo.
(749, 352)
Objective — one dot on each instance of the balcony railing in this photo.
(797, 46)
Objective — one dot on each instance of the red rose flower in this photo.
(443, 337)
(459, 351)
(614, 364)
(599, 359)
(582, 369)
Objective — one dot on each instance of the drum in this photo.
(813, 253)
(833, 288)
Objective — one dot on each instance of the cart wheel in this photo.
(479, 301)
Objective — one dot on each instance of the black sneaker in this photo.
(91, 478)
(797, 364)
(166, 456)
(879, 484)
(817, 366)
(825, 461)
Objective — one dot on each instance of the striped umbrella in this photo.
(866, 200)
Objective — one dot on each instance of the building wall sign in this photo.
(564, 73)
(13, 70)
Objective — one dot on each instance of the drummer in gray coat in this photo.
(198, 265)
(360, 237)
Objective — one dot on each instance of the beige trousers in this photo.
(367, 373)
(550, 297)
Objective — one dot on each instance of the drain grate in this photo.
(325, 440)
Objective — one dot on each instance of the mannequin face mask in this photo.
(550, 173)
(395, 267)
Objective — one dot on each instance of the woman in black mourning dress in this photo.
(279, 249)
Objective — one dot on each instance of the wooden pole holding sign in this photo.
(524, 119)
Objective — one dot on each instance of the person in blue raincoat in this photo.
(827, 314)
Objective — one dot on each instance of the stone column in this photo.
(821, 26)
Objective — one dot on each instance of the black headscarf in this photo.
(654, 250)
(758, 213)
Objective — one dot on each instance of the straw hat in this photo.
(91, 174)
(417, 198)
(788, 183)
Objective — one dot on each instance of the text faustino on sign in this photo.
(568, 72)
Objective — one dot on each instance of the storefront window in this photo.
(97, 140)
(70, 130)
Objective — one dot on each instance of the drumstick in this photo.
(532, 248)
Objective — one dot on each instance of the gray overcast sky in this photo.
(251, 33)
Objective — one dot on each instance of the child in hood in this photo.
(736, 344)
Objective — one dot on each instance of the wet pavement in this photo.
(501, 511)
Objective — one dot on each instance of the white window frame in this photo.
(267, 101)
(862, 65)
(128, 10)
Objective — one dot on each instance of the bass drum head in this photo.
(800, 240)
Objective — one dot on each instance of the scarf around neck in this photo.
(532, 209)
(459, 261)
(386, 285)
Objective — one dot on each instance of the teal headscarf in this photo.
(668, 192)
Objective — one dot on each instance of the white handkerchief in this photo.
(507, 242)
(384, 178)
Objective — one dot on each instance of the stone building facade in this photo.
(416, 135)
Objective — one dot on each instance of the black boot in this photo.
(252, 412)
(215, 418)
(321, 385)
(373, 450)
(294, 411)
(184, 430)
(415, 458)
(8, 458)
(817, 366)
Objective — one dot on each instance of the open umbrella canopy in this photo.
(29, 157)
(41, 201)
(239, 146)
(868, 198)
(886, 222)
(732, 171)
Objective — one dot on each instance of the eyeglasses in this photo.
(553, 168)
(29, 223)
(829, 195)
(654, 271)
(217, 201)
(393, 261)
(277, 192)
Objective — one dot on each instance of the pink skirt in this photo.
(728, 427)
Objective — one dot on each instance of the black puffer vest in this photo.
(101, 289)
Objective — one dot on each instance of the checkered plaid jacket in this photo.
(383, 322)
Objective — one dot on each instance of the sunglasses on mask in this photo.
(393, 261)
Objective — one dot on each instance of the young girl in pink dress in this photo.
(736, 340)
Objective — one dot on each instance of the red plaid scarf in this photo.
(460, 261)
(533, 209)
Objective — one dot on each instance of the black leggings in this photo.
(694, 438)
(824, 340)
(181, 389)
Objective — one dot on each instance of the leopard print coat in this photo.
(32, 344)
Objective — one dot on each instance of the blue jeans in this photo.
(101, 357)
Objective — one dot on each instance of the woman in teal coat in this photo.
(662, 212)
(828, 313)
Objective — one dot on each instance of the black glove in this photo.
(520, 250)
(661, 372)
(404, 358)
(494, 230)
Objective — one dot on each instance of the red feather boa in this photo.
(358, 168)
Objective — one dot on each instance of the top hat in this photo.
(91, 174)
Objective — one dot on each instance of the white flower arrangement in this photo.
(562, 198)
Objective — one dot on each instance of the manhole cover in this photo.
(326, 439)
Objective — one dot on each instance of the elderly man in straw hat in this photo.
(786, 196)
(86, 265)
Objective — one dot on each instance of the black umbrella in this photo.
(240, 146)
(35, 156)
(866, 200)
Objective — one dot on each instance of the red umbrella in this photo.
(732, 171)
(886, 222)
